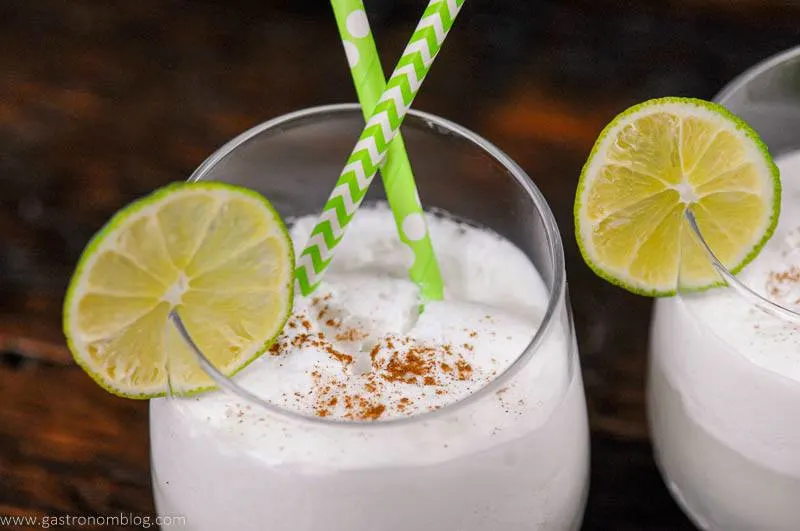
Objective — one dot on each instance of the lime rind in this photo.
(112, 227)
(738, 125)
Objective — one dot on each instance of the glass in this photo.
(724, 380)
(511, 456)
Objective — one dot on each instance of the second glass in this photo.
(724, 383)
(513, 455)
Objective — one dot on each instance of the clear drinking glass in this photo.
(511, 456)
(724, 380)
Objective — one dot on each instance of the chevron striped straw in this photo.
(372, 145)
(398, 179)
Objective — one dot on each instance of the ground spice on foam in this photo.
(393, 359)
(464, 370)
(777, 281)
(781, 283)
(373, 412)
(351, 334)
(346, 359)
(408, 366)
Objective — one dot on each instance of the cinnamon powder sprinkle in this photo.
(392, 360)
(464, 370)
(351, 334)
(346, 359)
(777, 280)
(373, 413)
(374, 352)
(301, 340)
(406, 368)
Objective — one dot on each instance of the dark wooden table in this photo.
(102, 101)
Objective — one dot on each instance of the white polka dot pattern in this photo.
(357, 24)
(414, 226)
(352, 53)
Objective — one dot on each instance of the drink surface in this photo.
(359, 349)
(775, 275)
(725, 385)
(515, 457)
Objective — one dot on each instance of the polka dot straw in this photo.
(385, 105)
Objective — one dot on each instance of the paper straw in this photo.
(370, 150)
(398, 179)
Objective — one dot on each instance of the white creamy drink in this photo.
(725, 389)
(384, 445)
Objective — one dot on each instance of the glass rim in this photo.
(557, 288)
(741, 80)
(753, 297)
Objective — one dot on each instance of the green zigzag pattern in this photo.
(370, 150)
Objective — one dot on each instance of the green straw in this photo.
(398, 179)
(373, 144)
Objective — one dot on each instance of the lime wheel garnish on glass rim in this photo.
(218, 254)
(652, 163)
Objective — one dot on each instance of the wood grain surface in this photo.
(102, 101)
